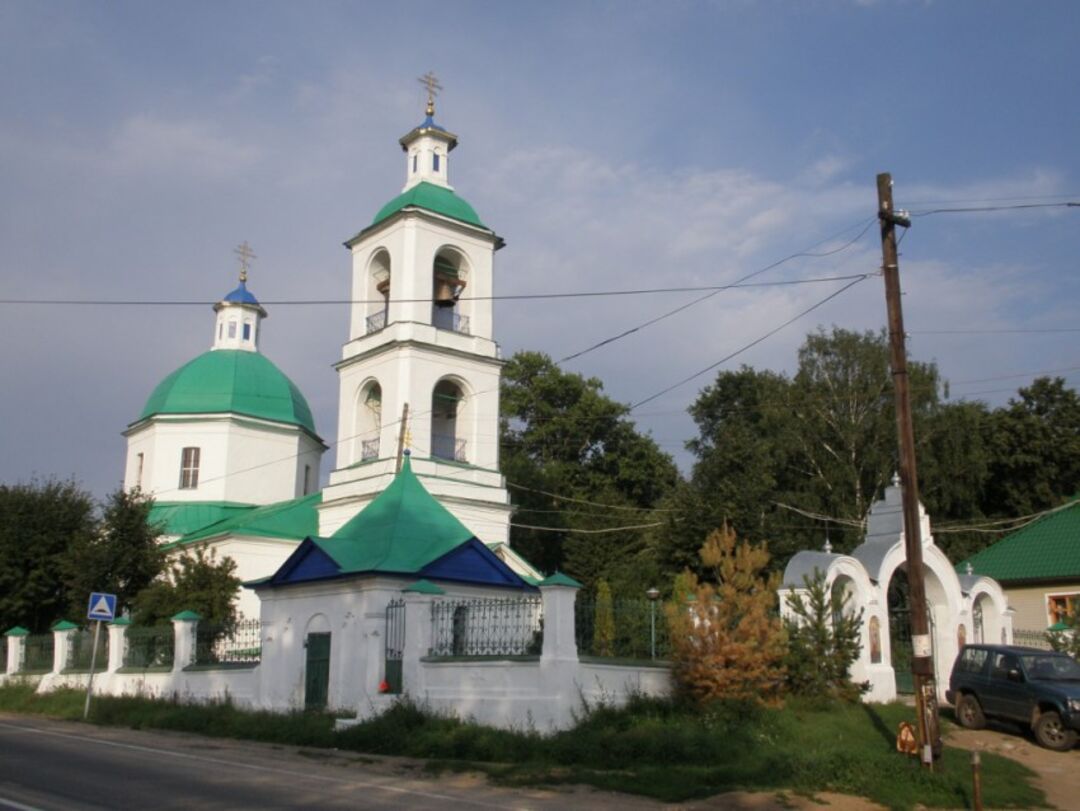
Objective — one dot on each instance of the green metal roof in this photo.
(18, 630)
(433, 198)
(63, 625)
(188, 615)
(183, 517)
(292, 520)
(560, 579)
(234, 381)
(402, 530)
(1048, 549)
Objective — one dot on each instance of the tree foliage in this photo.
(727, 642)
(39, 523)
(824, 641)
(196, 581)
(562, 435)
(122, 557)
(604, 621)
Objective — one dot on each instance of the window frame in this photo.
(190, 457)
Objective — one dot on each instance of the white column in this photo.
(62, 636)
(184, 625)
(117, 644)
(417, 644)
(16, 648)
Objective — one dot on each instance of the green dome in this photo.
(231, 380)
(434, 198)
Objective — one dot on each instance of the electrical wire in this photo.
(737, 283)
(753, 343)
(980, 209)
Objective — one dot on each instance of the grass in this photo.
(651, 747)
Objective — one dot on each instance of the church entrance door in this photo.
(317, 672)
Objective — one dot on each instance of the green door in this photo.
(317, 673)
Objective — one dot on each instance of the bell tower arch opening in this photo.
(451, 421)
(449, 276)
(368, 424)
(377, 292)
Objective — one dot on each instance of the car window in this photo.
(973, 659)
(1003, 663)
(1051, 666)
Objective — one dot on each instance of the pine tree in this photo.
(727, 640)
(823, 642)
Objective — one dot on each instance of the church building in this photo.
(227, 445)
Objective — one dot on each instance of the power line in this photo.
(980, 331)
(507, 297)
(753, 343)
(737, 283)
(979, 209)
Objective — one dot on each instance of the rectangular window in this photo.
(307, 479)
(247, 332)
(232, 329)
(1060, 607)
(435, 162)
(189, 469)
(139, 460)
(414, 162)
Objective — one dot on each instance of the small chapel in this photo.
(227, 444)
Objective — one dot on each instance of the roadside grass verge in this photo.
(650, 747)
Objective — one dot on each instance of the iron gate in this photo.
(395, 645)
(902, 650)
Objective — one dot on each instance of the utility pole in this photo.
(922, 662)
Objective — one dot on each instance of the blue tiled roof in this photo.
(241, 295)
(429, 124)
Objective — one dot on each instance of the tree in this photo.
(727, 642)
(197, 582)
(39, 523)
(823, 642)
(570, 451)
(604, 621)
(122, 557)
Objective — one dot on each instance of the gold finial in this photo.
(431, 83)
(246, 255)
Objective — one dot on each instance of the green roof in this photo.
(292, 520)
(233, 381)
(402, 530)
(18, 630)
(560, 579)
(183, 517)
(433, 198)
(63, 625)
(188, 615)
(1048, 549)
(423, 586)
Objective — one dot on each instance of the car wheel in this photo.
(969, 713)
(1051, 732)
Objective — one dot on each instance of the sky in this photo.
(614, 146)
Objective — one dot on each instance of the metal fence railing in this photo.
(238, 644)
(510, 626)
(624, 628)
(1031, 639)
(38, 653)
(376, 321)
(81, 651)
(151, 646)
(451, 448)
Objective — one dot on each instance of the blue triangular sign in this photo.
(102, 607)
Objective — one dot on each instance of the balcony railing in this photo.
(369, 449)
(445, 318)
(376, 322)
(449, 447)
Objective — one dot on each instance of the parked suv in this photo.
(1027, 685)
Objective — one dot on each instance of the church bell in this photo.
(445, 292)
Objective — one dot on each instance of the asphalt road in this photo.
(57, 766)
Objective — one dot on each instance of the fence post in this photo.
(559, 594)
(117, 643)
(16, 648)
(418, 599)
(185, 626)
(63, 631)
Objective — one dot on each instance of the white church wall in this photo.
(241, 459)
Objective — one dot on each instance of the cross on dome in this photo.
(431, 83)
(243, 250)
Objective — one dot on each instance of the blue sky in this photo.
(614, 145)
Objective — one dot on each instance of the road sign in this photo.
(102, 607)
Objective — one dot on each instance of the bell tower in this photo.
(421, 339)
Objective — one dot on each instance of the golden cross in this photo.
(246, 255)
(431, 83)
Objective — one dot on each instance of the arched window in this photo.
(378, 292)
(369, 420)
(446, 443)
(449, 277)
(435, 159)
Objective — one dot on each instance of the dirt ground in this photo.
(1059, 772)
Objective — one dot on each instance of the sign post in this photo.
(102, 608)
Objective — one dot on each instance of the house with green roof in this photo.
(1038, 566)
